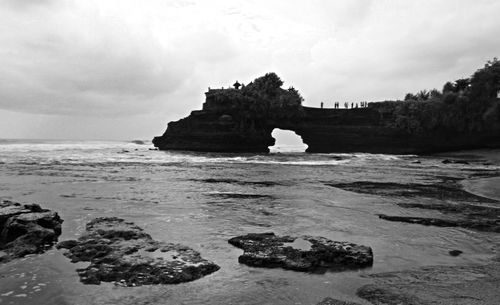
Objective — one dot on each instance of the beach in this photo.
(201, 200)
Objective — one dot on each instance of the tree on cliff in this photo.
(485, 82)
(268, 84)
(467, 104)
(267, 90)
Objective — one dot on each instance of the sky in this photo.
(122, 69)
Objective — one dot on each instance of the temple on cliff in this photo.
(242, 120)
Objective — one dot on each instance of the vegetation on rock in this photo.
(466, 105)
(263, 97)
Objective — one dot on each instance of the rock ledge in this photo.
(305, 253)
(121, 252)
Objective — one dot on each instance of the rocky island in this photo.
(464, 115)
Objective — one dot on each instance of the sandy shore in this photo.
(457, 285)
(487, 187)
(464, 285)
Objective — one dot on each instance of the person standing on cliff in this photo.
(321, 105)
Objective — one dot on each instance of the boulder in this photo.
(26, 229)
(121, 252)
(305, 253)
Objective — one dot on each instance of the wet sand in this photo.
(202, 200)
(487, 187)
(461, 285)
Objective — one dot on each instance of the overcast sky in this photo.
(105, 69)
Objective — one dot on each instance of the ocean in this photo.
(203, 199)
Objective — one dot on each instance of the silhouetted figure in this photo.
(356, 105)
(352, 105)
(321, 105)
(346, 105)
(237, 85)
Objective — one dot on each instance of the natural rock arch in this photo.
(242, 120)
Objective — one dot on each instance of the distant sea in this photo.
(203, 199)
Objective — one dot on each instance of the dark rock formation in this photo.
(475, 216)
(446, 190)
(242, 120)
(455, 252)
(121, 252)
(239, 195)
(330, 301)
(26, 229)
(239, 182)
(305, 253)
(480, 224)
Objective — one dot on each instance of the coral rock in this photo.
(305, 253)
(121, 252)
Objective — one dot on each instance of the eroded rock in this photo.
(476, 223)
(26, 229)
(305, 253)
(459, 207)
(455, 252)
(446, 190)
(121, 252)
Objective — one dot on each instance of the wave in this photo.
(105, 153)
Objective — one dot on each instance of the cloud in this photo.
(27, 4)
(401, 48)
(81, 60)
(127, 58)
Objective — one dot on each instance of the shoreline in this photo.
(486, 187)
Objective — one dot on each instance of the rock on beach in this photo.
(121, 252)
(26, 229)
(305, 253)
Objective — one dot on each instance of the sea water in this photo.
(203, 199)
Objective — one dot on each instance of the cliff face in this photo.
(221, 129)
(372, 130)
(242, 121)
